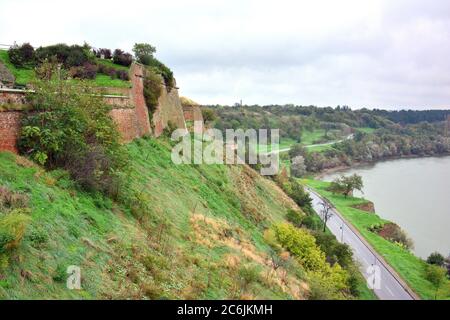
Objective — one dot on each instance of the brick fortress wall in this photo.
(129, 112)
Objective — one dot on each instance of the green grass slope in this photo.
(410, 267)
(192, 231)
(22, 75)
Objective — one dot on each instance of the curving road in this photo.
(389, 286)
(350, 136)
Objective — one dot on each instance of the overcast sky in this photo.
(370, 53)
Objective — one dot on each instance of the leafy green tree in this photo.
(436, 258)
(144, 52)
(209, 115)
(295, 217)
(346, 185)
(296, 191)
(297, 150)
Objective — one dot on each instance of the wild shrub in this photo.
(295, 217)
(70, 128)
(37, 236)
(122, 58)
(161, 69)
(312, 222)
(247, 275)
(208, 115)
(69, 56)
(436, 258)
(101, 68)
(112, 72)
(22, 56)
(171, 127)
(296, 191)
(393, 233)
(152, 90)
(49, 69)
(86, 71)
(302, 245)
(11, 200)
(122, 75)
(103, 51)
(60, 274)
(437, 276)
(12, 229)
(335, 251)
(152, 291)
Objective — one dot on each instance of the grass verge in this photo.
(410, 267)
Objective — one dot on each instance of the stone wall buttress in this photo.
(137, 96)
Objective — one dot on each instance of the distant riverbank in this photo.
(412, 192)
(361, 164)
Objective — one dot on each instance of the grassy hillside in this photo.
(22, 75)
(194, 232)
(411, 268)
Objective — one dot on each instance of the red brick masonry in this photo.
(9, 130)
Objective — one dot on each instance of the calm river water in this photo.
(414, 193)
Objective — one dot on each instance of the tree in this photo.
(436, 258)
(22, 56)
(346, 185)
(122, 58)
(69, 127)
(297, 150)
(437, 276)
(298, 167)
(144, 52)
(295, 217)
(296, 191)
(208, 115)
(325, 213)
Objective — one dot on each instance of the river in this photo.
(414, 193)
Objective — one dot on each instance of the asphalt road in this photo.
(314, 145)
(389, 287)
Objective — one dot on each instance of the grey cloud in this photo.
(376, 53)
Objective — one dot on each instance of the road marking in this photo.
(390, 291)
(365, 260)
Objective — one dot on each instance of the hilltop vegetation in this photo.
(78, 62)
(100, 67)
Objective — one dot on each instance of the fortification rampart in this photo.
(129, 112)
